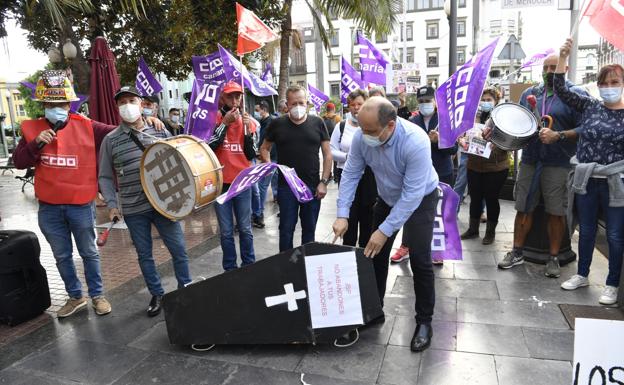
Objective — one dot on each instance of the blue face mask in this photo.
(257, 115)
(426, 109)
(56, 114)
(610, 94)
(147, 111)
(486, 106)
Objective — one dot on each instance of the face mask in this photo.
(297, 112)
(610, 94)
(257, 115)
(355, 121)
(175, 118)
(130, 113)
(549, 82)
(486, 106)
(426, 109)
(56, 114)
(373, 141)
(147, 111)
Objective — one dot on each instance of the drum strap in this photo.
(136, 141)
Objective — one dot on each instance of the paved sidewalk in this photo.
(490, 327)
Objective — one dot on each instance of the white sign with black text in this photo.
(333, 290)
(598, 354)
(505, 4)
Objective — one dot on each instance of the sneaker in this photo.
(401, 255)
(258, 221)
(552, 268)
(101, 305)
(483, 218)
(511, 259)
(348, 339)
(437, 262)
(575, 282)
(71, 306)
(609, 295)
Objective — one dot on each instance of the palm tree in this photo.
(371, 15)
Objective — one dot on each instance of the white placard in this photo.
(598, 352)
(526, 3)
(473, 142)
(333, 290)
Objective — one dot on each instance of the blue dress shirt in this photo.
(403, 171)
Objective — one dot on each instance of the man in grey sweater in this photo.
(120, 159)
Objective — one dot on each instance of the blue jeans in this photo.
(256, 204)
(290, 208)
(240, 206)
(58, 223)
(140, 226)
(263, 187)
(587, 208)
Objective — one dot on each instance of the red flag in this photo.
(252, 32)
(607, 18)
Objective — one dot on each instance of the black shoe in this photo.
(155, 306)
(348, 339)
(258, 221)
(202, 347)
(422, 338)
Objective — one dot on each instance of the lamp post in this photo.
(450, 8)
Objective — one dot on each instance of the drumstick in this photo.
(101, 241)
(532, 100)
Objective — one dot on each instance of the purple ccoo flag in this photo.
(317, 98)
(203, 108)
(372, 62)
(146, 83)
(446, 243)
(233, 72)
(246, 178)
(458, 97)
(538, 58)
(209, 68)
(267, 75)
(350, 80)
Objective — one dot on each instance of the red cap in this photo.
(330, 106)
(232, 87)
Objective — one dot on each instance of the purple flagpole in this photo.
(316, 97)
(538, 58)
(446, 243)
(203, 108)
(145, 82)
(372, 62)
(458, 97)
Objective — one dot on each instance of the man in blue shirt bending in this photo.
(399, 153)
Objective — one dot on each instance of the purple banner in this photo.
(233, 70)
(146, 83)
(317, 98)
(267, 75)
(446, 243)
(458, 97)
(246, 178)
(538, 58)
(73, 106)
(203, 109)
(372, 62)
(350, 80)
(209, 68)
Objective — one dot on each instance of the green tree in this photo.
(371, 15)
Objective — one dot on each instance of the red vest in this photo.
(66, 170)
(230, 153)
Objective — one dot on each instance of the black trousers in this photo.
(485, 185)
(419, 228)
(361, 213)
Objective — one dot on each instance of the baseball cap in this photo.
(127, 90)
(232, 86)
(426, 92)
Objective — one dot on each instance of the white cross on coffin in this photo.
(290, 297)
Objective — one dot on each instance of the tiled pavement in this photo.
(490, 326)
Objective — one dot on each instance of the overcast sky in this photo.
(544, 27)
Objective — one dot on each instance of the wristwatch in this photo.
(562, 136)
(325, 181)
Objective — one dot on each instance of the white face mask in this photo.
(175, 118)
(130, 113)
(426, 109)
(373, 141)
(298, 112)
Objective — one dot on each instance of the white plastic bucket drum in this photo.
(513, 126)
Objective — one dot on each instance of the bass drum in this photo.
(513, 126)
(179, 175)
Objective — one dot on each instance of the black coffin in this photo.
(230, 308)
